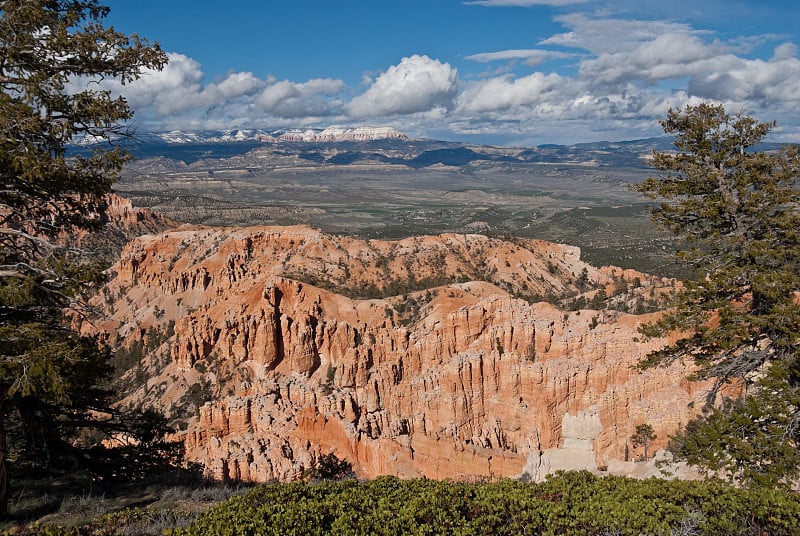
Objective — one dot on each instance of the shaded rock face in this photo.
(453, 376)
(109, 229)
(120, 222)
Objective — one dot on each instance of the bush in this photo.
(568, 503)
(331, 467)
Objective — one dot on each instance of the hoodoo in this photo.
(434, 356)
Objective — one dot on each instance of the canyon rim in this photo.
(432, 356)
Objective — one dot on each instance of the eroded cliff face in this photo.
(446, 372)
(120, 222)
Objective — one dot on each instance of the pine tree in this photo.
(751, 439)
(48, 47)
(737, 209)
(643, 436)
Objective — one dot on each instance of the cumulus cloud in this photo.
(292, 100)
(165, 92)
(233, 86)
(775, 82)
(178, 97)
(785, 51)
(578, 116)
(506, 93)
(667, 56)
(416, 84)
(622, 76)
(649, 52)
(629, 74)
(179, 89)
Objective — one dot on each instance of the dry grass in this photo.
(74, 499)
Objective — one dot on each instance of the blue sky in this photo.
(506, 72)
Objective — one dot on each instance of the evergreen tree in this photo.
(47, 47)
(751, 439)
(737, 209)
(643, 436)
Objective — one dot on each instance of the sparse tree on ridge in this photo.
(738, 210)
(45, 45)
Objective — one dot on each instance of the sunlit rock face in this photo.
(255, 342)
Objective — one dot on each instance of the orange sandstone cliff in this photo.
(430, 356)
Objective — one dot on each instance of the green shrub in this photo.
(567, 504)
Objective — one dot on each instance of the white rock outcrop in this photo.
(578, 453)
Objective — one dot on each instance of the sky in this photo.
(499, 72)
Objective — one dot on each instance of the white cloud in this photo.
(578, 116)
(607, 35)
(287, 99)
(631, 72)
(165, 92)
(234, 86)
(623, 76)
(667, 56)
(785, 51)
(178, 88)
(532, 57)
(505, 93)
(416, 84)
(177, 97)
(650, 52)
(774, 84)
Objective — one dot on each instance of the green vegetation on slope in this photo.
(577, 503)
(569, 503)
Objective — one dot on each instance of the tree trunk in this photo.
(3, 457)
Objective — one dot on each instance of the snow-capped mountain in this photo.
(330, 134)
(207, 136)
(336, 133)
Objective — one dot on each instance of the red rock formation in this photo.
(121, 213)
(451, 377)
(120, 223)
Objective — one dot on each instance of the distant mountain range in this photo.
(386, 145)
(336, 134)
(330, 134)
(383, 145)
